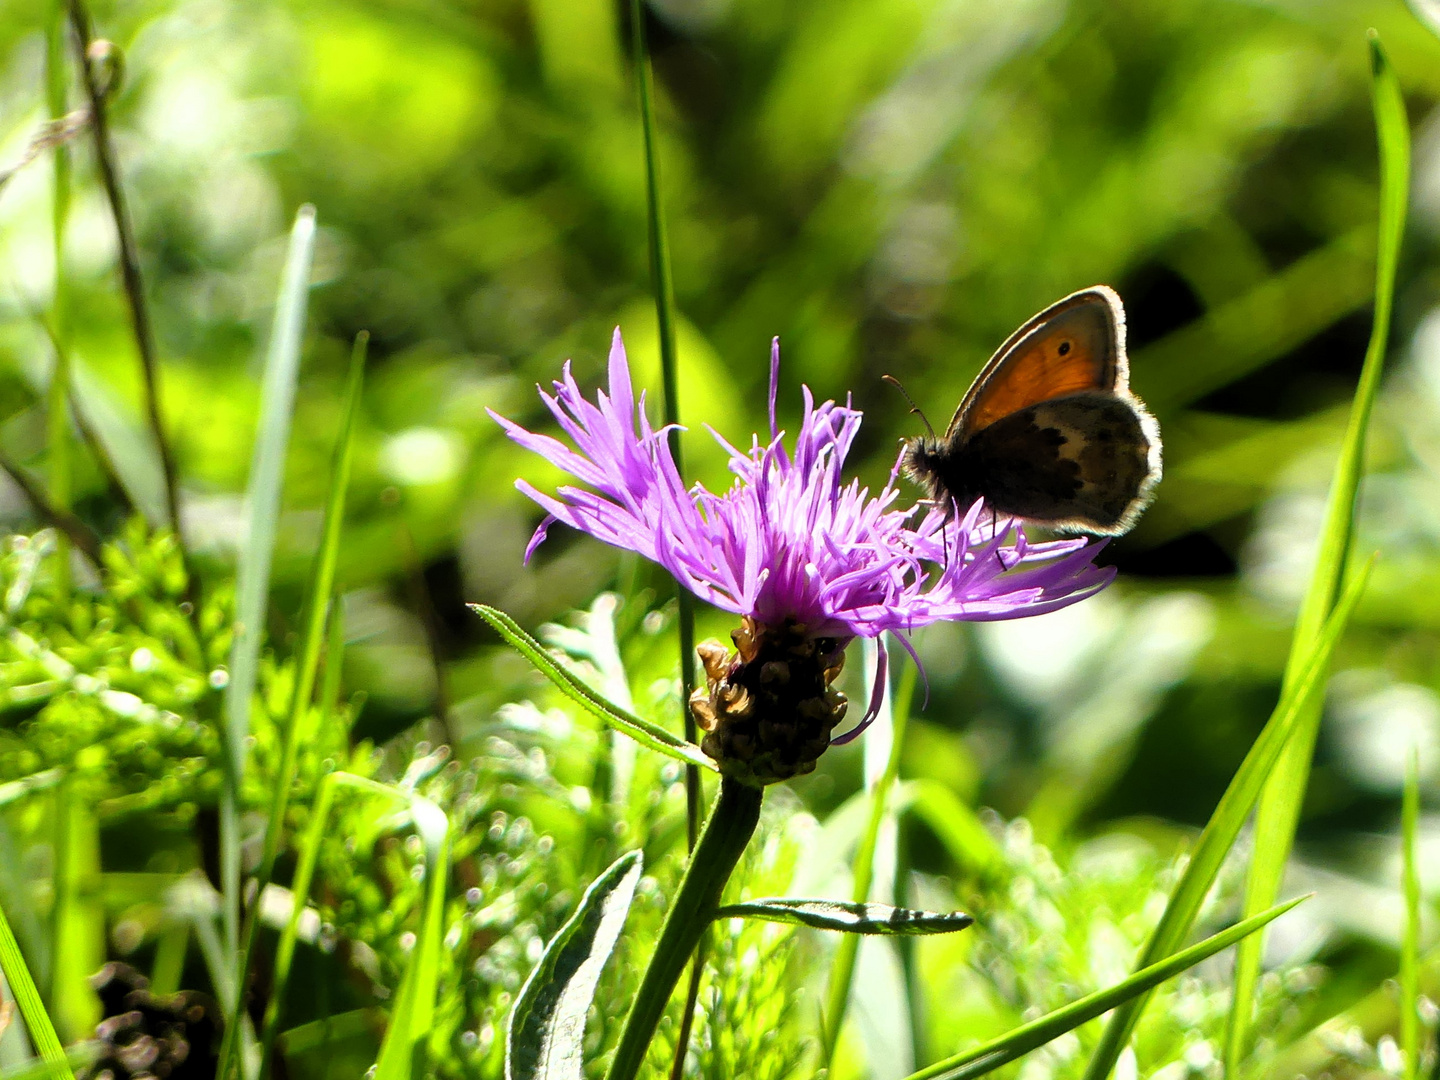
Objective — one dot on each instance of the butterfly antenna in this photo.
(913, 407)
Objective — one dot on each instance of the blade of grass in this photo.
(1279, 811)
(842, 970)
(57, 456)
(168, 967)
(1410, 944)
(404, 1052)
(642, 731)
(300, 890)
(1031, 1036)
(252, 586)
(77, 924)
(1226, 822)
(663, 284)
(307, 666)
(334, 662)
(27, 997)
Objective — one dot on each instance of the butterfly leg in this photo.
(995, 532)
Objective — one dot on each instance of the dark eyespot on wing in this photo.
(1083, 461)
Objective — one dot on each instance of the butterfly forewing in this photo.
(1074, 346)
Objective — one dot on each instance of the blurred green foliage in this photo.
(888, 186)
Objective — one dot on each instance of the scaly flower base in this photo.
(768, 709)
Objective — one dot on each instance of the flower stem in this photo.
(842, 971)
(134, 285)
(731, 824)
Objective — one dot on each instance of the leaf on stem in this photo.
(568, 683)
(547, 1029)
(848, 917)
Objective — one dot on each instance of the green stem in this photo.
(664, 283)
(731, 824)
(842, 972)
(1410, 940)
(134, 284)
(57, 458)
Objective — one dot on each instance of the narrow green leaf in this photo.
(889, 722)
(1226, 822)
(547, 1027)
(252, 587)
(642, 731)
(663, 284)
(848, 917)
(58, 452)
(27, 997)
(322, 1034)
(403, 1054)
(1279, 811)
(300, 890)
(321, 585)
(1037, 1033)
(77, 922)
(1410, 943)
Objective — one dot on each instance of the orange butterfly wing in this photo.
(1076, 345)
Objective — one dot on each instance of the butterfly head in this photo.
(931, 462)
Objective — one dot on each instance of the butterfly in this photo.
(1049, 431)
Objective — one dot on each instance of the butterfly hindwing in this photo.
(1085, 461)
(1076, 345)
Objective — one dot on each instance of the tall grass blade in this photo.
(1279, 811)
(312, 630)
(300, 890)
(252, 587)
(546, 1035)
(842, 972)
(403, 1054)
(642, 731)
(1031, 1036)
(57, 455)
(78, 921)
(27, 997)
(663, 282)
(1410, 942)
(1226, 822)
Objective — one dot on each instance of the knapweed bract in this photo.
(808, 560)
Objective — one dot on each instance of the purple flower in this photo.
(790, 542)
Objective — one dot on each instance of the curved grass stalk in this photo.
(1279, 810)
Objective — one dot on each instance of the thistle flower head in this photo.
(809, 560)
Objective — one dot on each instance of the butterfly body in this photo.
(1049, 432)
